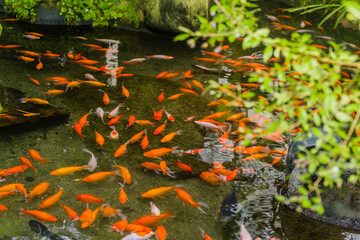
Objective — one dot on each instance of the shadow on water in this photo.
(263, 216)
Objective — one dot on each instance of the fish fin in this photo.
(203, 204)
(179, 186)
(22, 100)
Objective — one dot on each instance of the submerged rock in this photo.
(341, 205)
(25, 116)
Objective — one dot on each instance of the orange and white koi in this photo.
(115, 111)
(169, 116)
(114, 135)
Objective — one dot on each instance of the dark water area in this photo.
(264, 216)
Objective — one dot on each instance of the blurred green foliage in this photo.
(99, 11)
(329, 99)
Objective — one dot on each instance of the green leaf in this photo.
(268, 51)
(306, 203)
(181, 37)
(1, 108)
(343, 117)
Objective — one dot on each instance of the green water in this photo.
(264, 217)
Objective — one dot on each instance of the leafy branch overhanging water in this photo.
(329, 97)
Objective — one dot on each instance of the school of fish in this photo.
(230, 126)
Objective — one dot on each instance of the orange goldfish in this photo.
(186, 198)
(99, 139)
(38, 190)
(158, 115)
(170, 136)
(96, 177)
(3, 208)
(157, 192)
(88, 198)
(114, 120)
(255, 157)
(212, 178)
(165, 169)
(160, 232)
(122, 195)
(152, 220)
(206, 237)
(175, 96)
(217, 115)
(77, 127)
(35, 155)
(10, 187)
(83, 120)
(67, 171)
(131, 121)
(13, 170)
(54, 92)
(151, 166)
(144, 122)
(125, 91)
(157, 153)
(39, 215)
(70, 213)
(6, 194)
(108, 211)
(25, 59)
(160, 129)
(121, 150)
(145, 141)
(106, 99)
(39, 65)
(183, 166)
(188, 91)
(161, 96)
(198, 84)
(216, 55)
(34, 81)
(125, 174)
(276, 160)
(51, 200)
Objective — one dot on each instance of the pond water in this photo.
(264, 217)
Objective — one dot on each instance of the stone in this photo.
(168, 15)
(342, 205)
(9, 100)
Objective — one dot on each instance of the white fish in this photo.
(114, 135)
(165, 57)
(114, 112)
(92, 164)
(244, 234)
(100, 112)
(107, 40)
(302, 24)
(134, 236)
(155, 211)
(90, 77)
(136, 60)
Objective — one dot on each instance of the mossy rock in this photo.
(168, 15)
(13, 118)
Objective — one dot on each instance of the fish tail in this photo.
(179, 186)
(203, 204)
(201, 210)
(23, 100)
(44, 161)
(174, 150)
